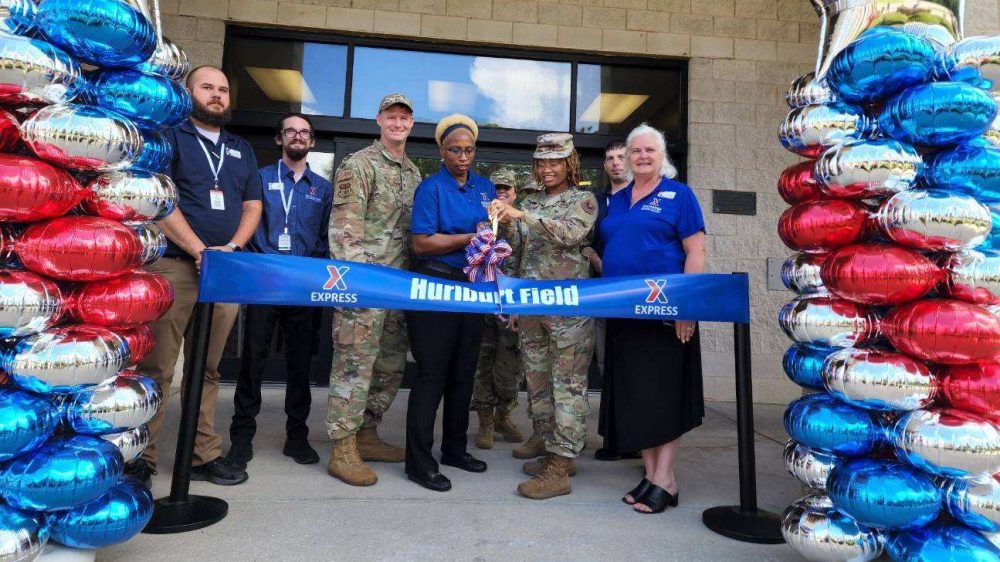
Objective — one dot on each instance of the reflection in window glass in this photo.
(286, 76)
(496, 92)
(612, 100)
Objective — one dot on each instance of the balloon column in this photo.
(80, 152)
(896, 221)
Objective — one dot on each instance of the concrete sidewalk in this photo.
(298, 513)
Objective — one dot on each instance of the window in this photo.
(612, 100)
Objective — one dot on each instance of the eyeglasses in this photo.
(301, 133)
(457, 150)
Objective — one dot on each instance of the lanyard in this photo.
(286, 203)
(215, 169)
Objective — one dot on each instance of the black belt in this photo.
(436, 268)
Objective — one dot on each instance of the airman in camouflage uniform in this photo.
(370, 223)
(498, 373)
(555, 351)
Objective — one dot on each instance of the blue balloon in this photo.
(941, 542)
(963, 61)
(938, 114)
(112, 518)
(156, 154)
(879, 63)
(17, 17)
(803, 364)
(821, 422)
(973, 170)
(148, 99)
(23, 534)
(64, 473)
(26, 421)
(992, 241)
(107, 33)
(884, 494)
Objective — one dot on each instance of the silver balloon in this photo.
(992, 135)
(843, 22)
(29, 303)
(818, 531)
(973, 276)
(879, 380)
(868, 168)
(33, 72)
(132, 196)
(169, 60)
(800, 273)
(948, 443)
(811, 129)
(828, 321)
(975, 60)
(23, 534)
(128, 401)
(131, 443)
(975, 503)
(63, 360)
(154, 241)
(82, 138)
(810, 467)
(806, 90)
(934, 220)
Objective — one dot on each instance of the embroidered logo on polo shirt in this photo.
(653, 206)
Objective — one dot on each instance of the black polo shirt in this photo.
(190, 170)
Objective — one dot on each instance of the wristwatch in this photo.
(234, 247)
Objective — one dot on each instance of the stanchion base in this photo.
(180, 517)
(761, 527)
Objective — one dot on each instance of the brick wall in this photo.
(743, 54)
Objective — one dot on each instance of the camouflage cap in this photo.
(503, 176)
(552, 146)
(395, 99)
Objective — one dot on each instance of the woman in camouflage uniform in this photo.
(548, 234)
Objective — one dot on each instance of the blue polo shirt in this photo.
(441, 205)
(309, 203)
(646, 238)
(189, 168)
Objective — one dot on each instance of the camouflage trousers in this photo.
(498, 372)
(555, 357)
(369, 348)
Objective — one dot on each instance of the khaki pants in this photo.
(170, 330)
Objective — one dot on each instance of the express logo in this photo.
(336, 280)
(655, 202)
(312, 192)
(657, 290)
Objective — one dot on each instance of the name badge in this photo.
(284, 242)
(668, 194)
(234, 153)
(275, 186)
(217, 199)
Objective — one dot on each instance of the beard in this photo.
(295, 153)
(205, 115)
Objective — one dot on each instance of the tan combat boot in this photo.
(537, 466)
(505, 427)
(533, 447)
(552, 482)
(373, 449)
(485, 438)
(346, 465)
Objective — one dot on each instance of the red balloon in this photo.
(140, 341)
(943, 331)
(126, 300)
(33, 190)
(879, 274)
(797, 183)
(79, 248)
(973, 388)
(10, 131)
(820, 226)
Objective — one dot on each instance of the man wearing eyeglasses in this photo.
(370, 223)
(297, 204)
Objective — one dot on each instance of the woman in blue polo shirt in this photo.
(447, 207)
(654, 226)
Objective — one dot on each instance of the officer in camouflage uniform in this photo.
(555, 351)
(370, 223)
(498, 373)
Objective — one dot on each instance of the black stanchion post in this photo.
(181, 512)
(744, 522)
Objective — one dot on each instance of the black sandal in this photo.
(656, 499)
(637, 492)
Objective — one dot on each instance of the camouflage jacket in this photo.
(548, 240)
(372, 203)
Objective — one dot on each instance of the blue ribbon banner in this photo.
(247, 278)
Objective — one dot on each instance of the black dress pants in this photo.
(445, 346)
(297, 324)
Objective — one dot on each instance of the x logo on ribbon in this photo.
(336, 280)
(656, 288)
